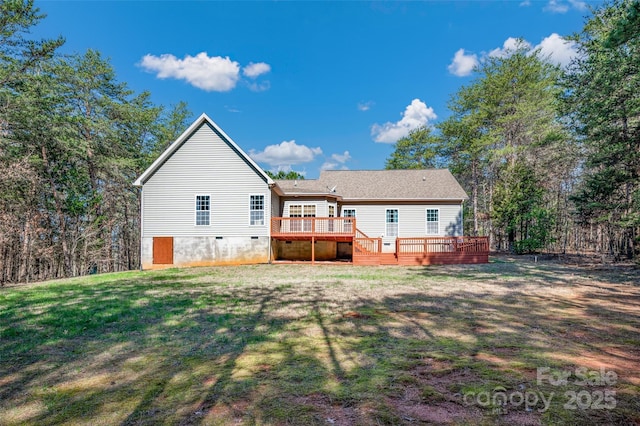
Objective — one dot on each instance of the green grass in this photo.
(295, 344)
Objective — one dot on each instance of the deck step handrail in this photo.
(367, 246)
(360, 234)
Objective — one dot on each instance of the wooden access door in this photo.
(162, 250)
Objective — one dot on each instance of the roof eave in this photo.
(310, 194)
(405, 199)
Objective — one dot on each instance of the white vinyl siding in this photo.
(256, 210)
(432, 226)
(275, 205)
(204, 164)
(371, 218)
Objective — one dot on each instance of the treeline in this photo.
(72, 140)
(550, 158)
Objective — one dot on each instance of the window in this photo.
(433, 222)
(348, 212)
(295, 211)
(309, 210)
(348, 224)
(203, 210)
(305, 210)
(392, 222)
(332, 213)
(256, 209)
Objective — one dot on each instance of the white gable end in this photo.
(202, 162)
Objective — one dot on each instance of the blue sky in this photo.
(310, 85)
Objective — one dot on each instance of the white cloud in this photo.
(580, 5)
(556, 6)
(341, 158)
(557, 50)
(365, 106)
(463, 64)
(337, 161)
(554, 49)
(285, 154)
(254, 70)
(328, 165)
(511, 44)
(213, 74)
(415, 115)
(259, 87)
(525, 3)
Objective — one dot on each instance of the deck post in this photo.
(313, 250)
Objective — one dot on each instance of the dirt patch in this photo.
(328, 411)
(355, 315)
(438, 413)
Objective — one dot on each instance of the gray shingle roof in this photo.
(431, 184)
(303, 186)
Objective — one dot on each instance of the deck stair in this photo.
(368, 251)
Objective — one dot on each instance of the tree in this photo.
(602, 100)
(519, 209)
(418, 150)
(281, 174)
(20, 219)
(626, 28)
(18, 54)
(507, 118)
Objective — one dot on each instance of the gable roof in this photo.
(361, 185)
(203, 119)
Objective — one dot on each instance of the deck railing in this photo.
(299, 226)
(365, 245)
(442, 245)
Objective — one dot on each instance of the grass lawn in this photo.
(510, 342)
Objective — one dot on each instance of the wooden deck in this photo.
(317, 228)
(368, 251)
(442, 250)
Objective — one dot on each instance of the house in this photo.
(206, 202)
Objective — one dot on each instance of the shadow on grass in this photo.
(185, 348)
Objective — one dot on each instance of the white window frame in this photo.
(195, 213)
(386, 223)
(355, 213)
(302, 206)
(251, 210)
(427, 221)
(348, 225)
(306, 225)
